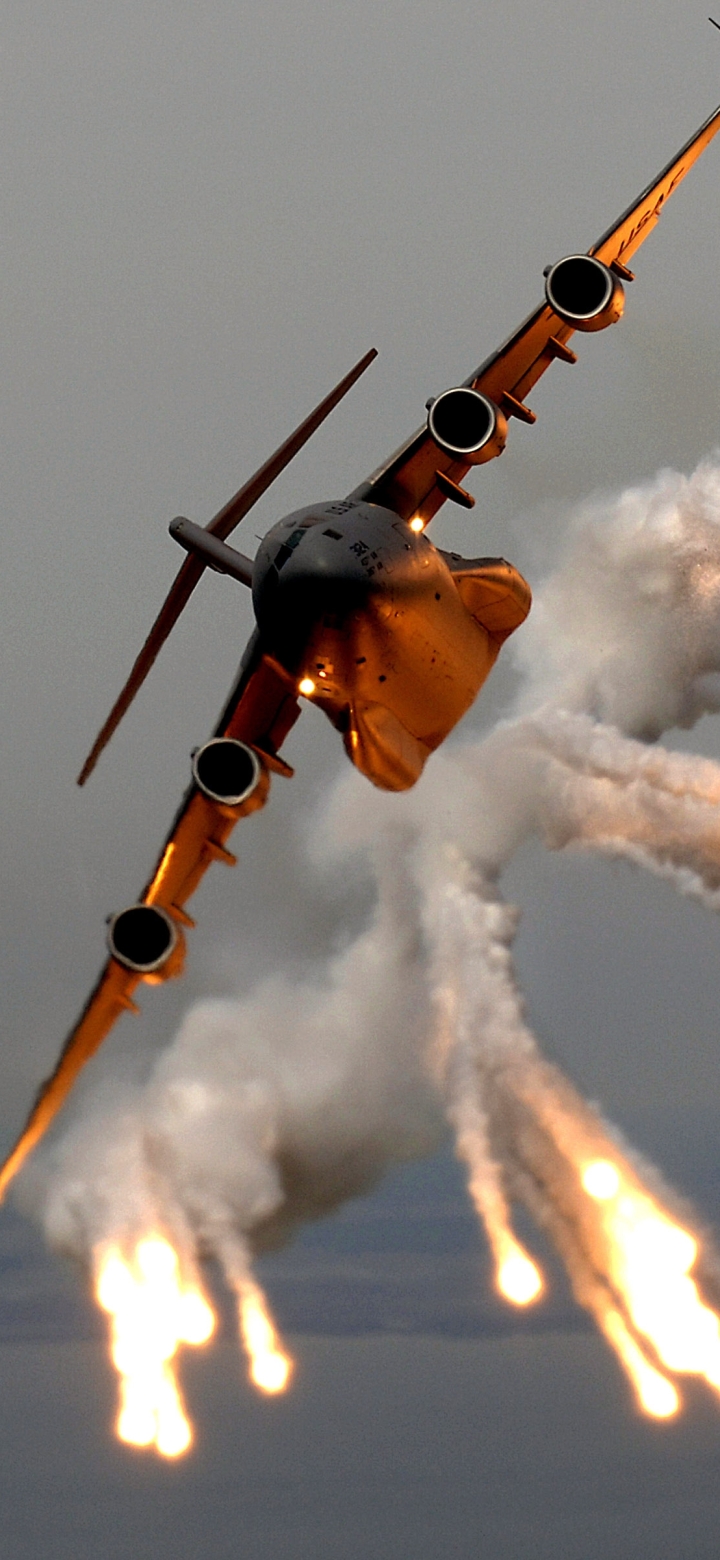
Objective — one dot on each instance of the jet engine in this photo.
(231, 774)
(584, 292)
(467, 425)
(145, 939)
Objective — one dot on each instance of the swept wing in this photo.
(263, 707)
(408, 482)
(260, 712)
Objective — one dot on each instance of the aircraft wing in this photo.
(408, 482)
(260, 712)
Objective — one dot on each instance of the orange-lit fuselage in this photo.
(395, 637)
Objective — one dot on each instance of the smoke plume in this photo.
(270, 1109)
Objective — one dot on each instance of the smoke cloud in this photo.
(272, 1108)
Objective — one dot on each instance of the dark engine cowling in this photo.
(231, 774)
(584, 292)
(145, 939)
(467, 425)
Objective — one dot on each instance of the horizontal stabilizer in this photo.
(211, 551)
(193, 568)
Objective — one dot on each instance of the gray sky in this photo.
(208, 214)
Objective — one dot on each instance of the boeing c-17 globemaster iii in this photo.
(357, 611)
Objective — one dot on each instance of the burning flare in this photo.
(153, 1311)
(649, 1259)
(656, 1395)
(270, 1367)
(630, 1260)
(527, 1135)
(601, 1180)
(519, 1279)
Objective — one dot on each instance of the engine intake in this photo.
(230, 773)
(584, 292)
(143, 938)
(467, 425)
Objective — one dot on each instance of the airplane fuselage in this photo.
(389, 636)
(356, 610)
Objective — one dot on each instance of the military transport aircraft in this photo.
(356, 611)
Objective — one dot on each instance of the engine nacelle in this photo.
(467, 425)
(584, 292)
(231, 774)
(145, 939)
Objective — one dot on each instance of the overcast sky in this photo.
(208, 213)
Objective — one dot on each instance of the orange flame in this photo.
(518, 1278)
(656, 1395)
(650, 1258)
(153, 1311)
(270, 1367)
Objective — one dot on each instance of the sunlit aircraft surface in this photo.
(357, 611)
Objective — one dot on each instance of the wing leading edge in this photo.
(262, 708)
(408, 482)
(260, 712)
(193, 568)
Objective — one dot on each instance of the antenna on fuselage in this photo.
(715, 24)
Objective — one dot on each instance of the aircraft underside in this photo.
(357, 611)
(390, 637)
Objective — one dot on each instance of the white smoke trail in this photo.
(625, 1242)
(272, 1108)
